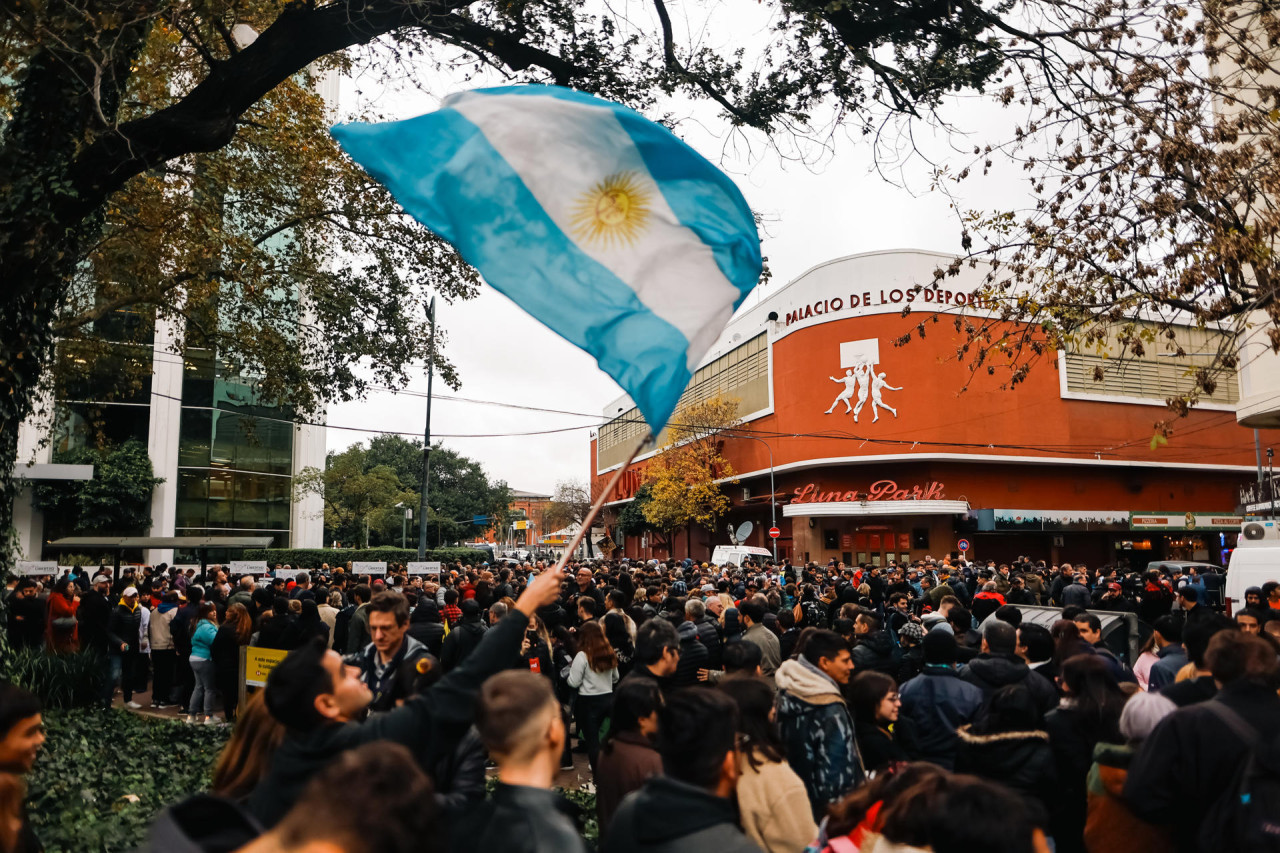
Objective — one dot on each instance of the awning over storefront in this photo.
(833, 509)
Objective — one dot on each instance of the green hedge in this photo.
(312, 558)
(61, 681)
(95, 762)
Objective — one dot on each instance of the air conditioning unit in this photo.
(1254, 533)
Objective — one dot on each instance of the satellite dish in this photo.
(744, 530)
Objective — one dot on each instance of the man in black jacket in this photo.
(318, 699)
(1194, 754)
(997, 666)
(123, 637)
(519, 722)
(690, 807)
(465, 636)
(92, 614)
(708, 631)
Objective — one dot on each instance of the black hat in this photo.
(939, 646)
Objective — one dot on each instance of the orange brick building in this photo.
(881, 451)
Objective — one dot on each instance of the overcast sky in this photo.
(814, 212)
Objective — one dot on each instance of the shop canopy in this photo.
(834, 509)
(199, 544)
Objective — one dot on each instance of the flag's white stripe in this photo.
(670, 269)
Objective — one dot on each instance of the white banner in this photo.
(292, 574)
(28, 567)
(247, 567)
(427, 568)
(368, 568)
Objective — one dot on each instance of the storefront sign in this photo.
(917, 297)
(1183, 521)
(1259, 497)
(34, 569)
(1054, 519)
(880, 490)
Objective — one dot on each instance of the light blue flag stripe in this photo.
(457, 185)
(448, 175)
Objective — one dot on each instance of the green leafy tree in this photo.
(354, 495)
(632, 520)
(116, 501)
(153, 152)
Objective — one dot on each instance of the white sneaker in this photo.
(134, 705)
(190, 718)
(210, 721)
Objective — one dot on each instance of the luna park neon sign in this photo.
(880, 490)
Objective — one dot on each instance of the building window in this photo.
(1157, 375)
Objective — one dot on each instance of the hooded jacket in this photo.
(461, 641)
(817, 733)
(425, 627)
(990, 672)
(875, 651)
(938, 702)
(1022, 760)
(159, 629)
(624, 765)
(124, 626)
(669, 816)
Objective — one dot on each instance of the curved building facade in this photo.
(885, 450)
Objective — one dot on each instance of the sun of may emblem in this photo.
(613, 212)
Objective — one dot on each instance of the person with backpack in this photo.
(1210, 770)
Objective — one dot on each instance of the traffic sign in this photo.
(963, 545)
(774, 533)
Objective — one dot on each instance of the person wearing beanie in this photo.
(937, 701)
(911, 641)
(1111, 826)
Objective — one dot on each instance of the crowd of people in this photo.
(757, 707)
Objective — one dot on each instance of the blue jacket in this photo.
(817, 734)
(938, 702)
(202, 640)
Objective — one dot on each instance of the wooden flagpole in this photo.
(599, 501)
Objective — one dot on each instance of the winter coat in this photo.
(624, 765)
(1111, 826)
(1076, 595)
(519, 819)
(770, 650)
(429, 724)
(693, 657)
(123, 626)
(817, 733)
(160, 629)
(61, 641)
(459, 777)
(1021, 760)
(394, 683)
(201, 824)
(774, 807)
(709, 636)
(358, 634)
(202, 639)
(991, 672)
(875, 651)
(879, 748)
(1072, 753)
(1165, 671)
(669, 816)
(460, 642)
(93, 613)
(1192, 756)
(226, 655)
(426, 631)
(938, 702)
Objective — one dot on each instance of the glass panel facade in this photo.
(98, 424)
(232, 500)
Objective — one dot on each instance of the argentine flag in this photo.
(595, 220)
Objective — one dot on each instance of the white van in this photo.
(1252, 564)
(737, 553)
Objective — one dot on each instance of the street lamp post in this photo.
(426, 445)
(773, 494)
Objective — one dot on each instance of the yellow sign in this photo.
(258, 664)
(522, 525)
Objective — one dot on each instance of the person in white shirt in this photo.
(593, 673)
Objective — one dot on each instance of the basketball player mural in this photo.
(867, 383)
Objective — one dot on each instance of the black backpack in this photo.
(342, 628)
(1247, 814)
